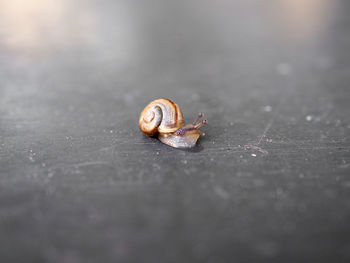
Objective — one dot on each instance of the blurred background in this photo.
(270, 180)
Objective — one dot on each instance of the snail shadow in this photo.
(157, 143)
(197, 148)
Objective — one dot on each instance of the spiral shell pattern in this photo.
(161, 116)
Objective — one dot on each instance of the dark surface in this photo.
(80, 183)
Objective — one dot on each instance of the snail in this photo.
(163, 118)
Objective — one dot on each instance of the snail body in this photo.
(163, 118)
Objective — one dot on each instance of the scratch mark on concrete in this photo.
(89, 164)
(256, 148)
(268, 126)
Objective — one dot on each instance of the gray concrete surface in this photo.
(80, 183)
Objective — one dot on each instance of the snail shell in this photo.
(163, 118)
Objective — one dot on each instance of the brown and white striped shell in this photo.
(161, 116)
